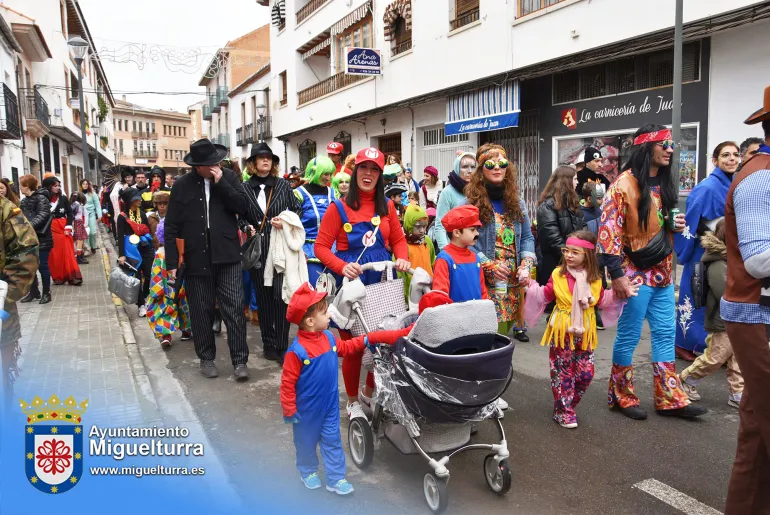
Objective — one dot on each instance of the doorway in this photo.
(390, 145)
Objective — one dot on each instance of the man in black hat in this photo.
(157, 183)
(593, 162)
(203, 213)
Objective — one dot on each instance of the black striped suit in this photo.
(270, 307)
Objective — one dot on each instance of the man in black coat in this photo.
(593, 163)
(203, 213)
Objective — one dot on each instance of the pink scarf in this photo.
(581, 300)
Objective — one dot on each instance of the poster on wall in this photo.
(362, 61)
(616, 148)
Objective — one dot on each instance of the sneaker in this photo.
(142, 311)
(570, 425)
(165, 342)
(521, 336)
(312, 482)
(341, 487)
(354, 410)
(209, 369)
(186, 336)
(365, 403)
(735, 400)
(690, 390)
(241, 372)
(502, 404)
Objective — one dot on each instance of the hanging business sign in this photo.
(487, 109)
(75, 103)
(362, 61)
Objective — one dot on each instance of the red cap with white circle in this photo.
(371, 154)
(334, 148)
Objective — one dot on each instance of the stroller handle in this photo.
(375, 264)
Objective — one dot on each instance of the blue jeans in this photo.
(45, 272)
(658, 307)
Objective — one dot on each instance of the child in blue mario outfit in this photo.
(309, 387)
(457, 270)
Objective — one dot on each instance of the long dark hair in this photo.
(380, 201)
(559, 187)
(639, 162)
(90, 186)
(9, 193)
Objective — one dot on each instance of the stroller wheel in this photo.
(498, 475)
(436, 492)
(361, 442)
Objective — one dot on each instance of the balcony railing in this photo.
(308, 9)
(135, 134)
(529, 6)
(206, 112)
(214, 103)
(265, 124)
(224, 139)
(249, 133)
(239, 137)
(465, 19)
(222, 95)
(153, 135)
(145, 153)
(330, 85)
(403, 47)
(37, 109)
(9, 124)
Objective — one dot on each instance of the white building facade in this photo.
(11, 146)
(549, 62)
(56, 146)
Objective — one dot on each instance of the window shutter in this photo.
(465, 6)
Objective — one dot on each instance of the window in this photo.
(136, 147)
(73, 91)
(174, 130)
(153, 127)
(391, 145)
(120, 145)
(529, 6)
(63, 13)
(284, 95)
(154, 150)
(254, 115)
(134, 125)
(165, 152)
(164, 130)
(402, 37)
(307, 152)
(644, 71)
(466, 12)
(56, 159)
(358, 35)
(344, 138)
(184, 132)
(120, 125)
(46, 154)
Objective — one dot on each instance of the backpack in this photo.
(699, 284)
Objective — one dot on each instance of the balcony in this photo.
(530, 6)
(37, 116)
(9, 123)
(249, 133)
(464, 19)
(214, 103)
(239, 137)
(325, 87)
(135, 134)
(206, 112)
(222, 95)
(223, 139)
(265, 125)
(402, 47)
(153, 135)
(308, 9)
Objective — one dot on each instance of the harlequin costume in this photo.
(310, 388)
(571, 352)
(619, 234)
(458, 270)
(315, 198)
(346, 227)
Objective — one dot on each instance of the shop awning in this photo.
(318, 44)
(491, 108)
(398, 9)
(354, 17)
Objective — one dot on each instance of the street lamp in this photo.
(79, 49)
(261, 109)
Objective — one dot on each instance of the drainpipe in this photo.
(22, 121)
(414, 167)
(285, 156)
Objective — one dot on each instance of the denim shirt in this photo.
(525, 241)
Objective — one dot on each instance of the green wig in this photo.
(337, 179)
(317, 167)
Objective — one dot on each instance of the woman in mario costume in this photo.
(365, 228)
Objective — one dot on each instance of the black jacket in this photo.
(63, 210)
(553, 227)
(37, 209)
(186, 219)
(124, 229)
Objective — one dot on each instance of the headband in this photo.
(577, 242)
(486, 154)
(653, 137)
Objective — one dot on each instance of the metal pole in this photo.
(83, 119)
(260, 129)
(96, 146)
(676, 113)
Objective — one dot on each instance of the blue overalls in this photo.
(318, 405)
(313, 209)
(464, 283)
(355, 234)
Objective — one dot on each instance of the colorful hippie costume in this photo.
(315, 197)
(310, 391)
(61, 261)
(571, 331)
(705, 206)
(642, 252)
(166, 313)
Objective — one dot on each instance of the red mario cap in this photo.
(371, 154)
(460, 218)
(432, 299)
(334, 148)
(303, 298)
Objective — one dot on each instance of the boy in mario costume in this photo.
(334, 151)
(457, 270)
(309, 387)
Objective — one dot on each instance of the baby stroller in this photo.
(433, 386)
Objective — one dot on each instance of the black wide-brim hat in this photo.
(129, 195)
(262, 149)
(205, 153)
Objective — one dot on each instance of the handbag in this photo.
(383, 299)
(653, 253)
(124, 286)
(251, 250)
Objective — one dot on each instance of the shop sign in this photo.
(481, 124)
(141, 161)
(570, 118)
(362, 61)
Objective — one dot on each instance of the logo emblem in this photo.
(53, 443)
(569, 118)
(372, 153)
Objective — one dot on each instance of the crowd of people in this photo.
(220, 245)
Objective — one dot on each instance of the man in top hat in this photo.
(203, 212)
(592, 160)
(334, 151)
(745, 308)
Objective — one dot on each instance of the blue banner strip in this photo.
(481, 124)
